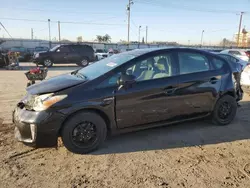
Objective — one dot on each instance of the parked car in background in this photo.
(24, 54)
(66, 54)
(112, 52)
(31, 51)
(237, 65)
(40, 49)
(214, 50)
(126, 92)
(245, 79)
(237, 52)
(4, 61)
(234, 59)
(100, 54)
(248, 53)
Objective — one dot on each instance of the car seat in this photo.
(163, 68)
(148, 74)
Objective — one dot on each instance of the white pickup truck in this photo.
(100, 54)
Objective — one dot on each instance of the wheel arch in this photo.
(229, 92)
(94, 110)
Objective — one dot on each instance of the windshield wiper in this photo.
(79, 75)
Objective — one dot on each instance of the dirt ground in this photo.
(195, 154)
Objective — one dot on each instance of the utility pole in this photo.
(238, 38)
(146, 34)
(32, 33)
(130, 2)
(49, 33)
(139, 38)
(59, 31)
(202, 37)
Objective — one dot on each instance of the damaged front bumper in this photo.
(38, 129)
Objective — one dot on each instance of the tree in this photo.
(99, 38)
(105, 38)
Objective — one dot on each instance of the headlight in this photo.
(43, 102)
(36, 55)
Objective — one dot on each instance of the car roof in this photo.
(138, 52)
(241, 50)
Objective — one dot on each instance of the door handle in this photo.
(169, 90)
(213, 80)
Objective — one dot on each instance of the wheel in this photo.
(84, 62)
(47, 62)
(84, 132)
(225, 110)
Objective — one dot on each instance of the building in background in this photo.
(243, 39)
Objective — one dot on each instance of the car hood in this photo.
(101, 53)
(40, 51)
(55, 84)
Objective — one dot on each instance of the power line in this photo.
(181, 6)
(134, 24)
(5, 29)
(67, 22)
(61, 11)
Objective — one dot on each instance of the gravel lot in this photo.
(195, 154)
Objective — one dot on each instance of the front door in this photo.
(152, 97)
(61, 55)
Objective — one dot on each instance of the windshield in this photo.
(17, 49)
(54, 48)
(105, 65)
(100, 51)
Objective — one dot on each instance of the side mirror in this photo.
(126, 80)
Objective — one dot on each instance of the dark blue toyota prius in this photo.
(126, 92)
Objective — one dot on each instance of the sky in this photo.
(180, 21)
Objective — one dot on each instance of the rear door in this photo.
(74, 55)
(199, 82)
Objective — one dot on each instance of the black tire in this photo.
(47, 62)
(84, 62)
(72, 124)
(218, 115)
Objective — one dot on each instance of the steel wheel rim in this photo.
(47, 62)
(84, 62)
(84, 134)
(225, 110)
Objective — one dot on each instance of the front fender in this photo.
(98, 106)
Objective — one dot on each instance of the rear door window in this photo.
(87, 48)
(217, 63)
(190, 62)
(234, 52)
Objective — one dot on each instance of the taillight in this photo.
(248, 54)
